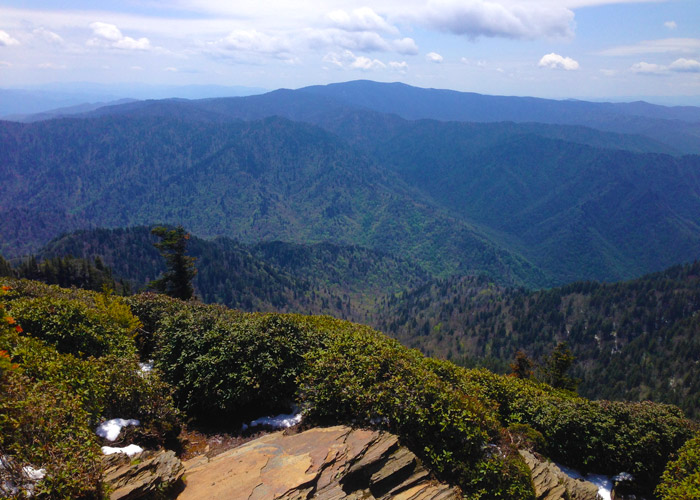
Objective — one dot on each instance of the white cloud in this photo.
(401, 67)
(5, 64)
(129, 43)
(48, 36)
(365, 41)
(365, 63)
(253, 41)
(661, 46)
(646, 68)
(434, 57)
(362, 19)
(7, 40)
(671, 25)
(251, 46)
(508, 19)
(348, 60)
(685, 65)
(405, 46)
(171, 69)
(107, 31)
(555, 61)
(108, 35)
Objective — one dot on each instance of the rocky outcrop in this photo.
(143, 475)
(321, 464)
(553, 484)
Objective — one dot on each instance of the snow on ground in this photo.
(30, 476)
(603, 483)
(281, 421)
(146, 367)
(130, 450)
(111, 428)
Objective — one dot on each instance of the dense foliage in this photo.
(593, 436)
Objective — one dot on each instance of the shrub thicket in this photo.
(593, 436)
(73, 363)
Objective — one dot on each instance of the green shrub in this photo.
(593, 436)
(54, 393)
(150, 308)
(681, 479)
(45, 427)
(225, 365)
(362, 377)
(72, 326)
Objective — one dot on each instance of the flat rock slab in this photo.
(322, 463)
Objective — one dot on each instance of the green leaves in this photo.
(681, 478)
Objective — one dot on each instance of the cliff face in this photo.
(321, 463)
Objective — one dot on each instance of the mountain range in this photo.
(375, 165)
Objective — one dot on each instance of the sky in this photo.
(586, 49)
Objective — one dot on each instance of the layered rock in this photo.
(143, 475)
(321, 464)
(551, 483)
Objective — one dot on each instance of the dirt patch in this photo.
(197, 442)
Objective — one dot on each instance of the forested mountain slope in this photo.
(264, 180)
(632, 340)
(344, 281)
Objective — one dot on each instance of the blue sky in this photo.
(593, 49)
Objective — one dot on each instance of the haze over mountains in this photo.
(595, 191)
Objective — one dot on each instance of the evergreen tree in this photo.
(555, 367)
(177, 280)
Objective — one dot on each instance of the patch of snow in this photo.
(129, 451)
(111, 428)
(281, 421)
(603, 483)
(146, 367)
(30, 476)
(33, 474)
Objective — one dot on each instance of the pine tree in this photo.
(177, 280)
(556, 366)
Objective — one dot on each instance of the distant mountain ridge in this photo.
(676, 127)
